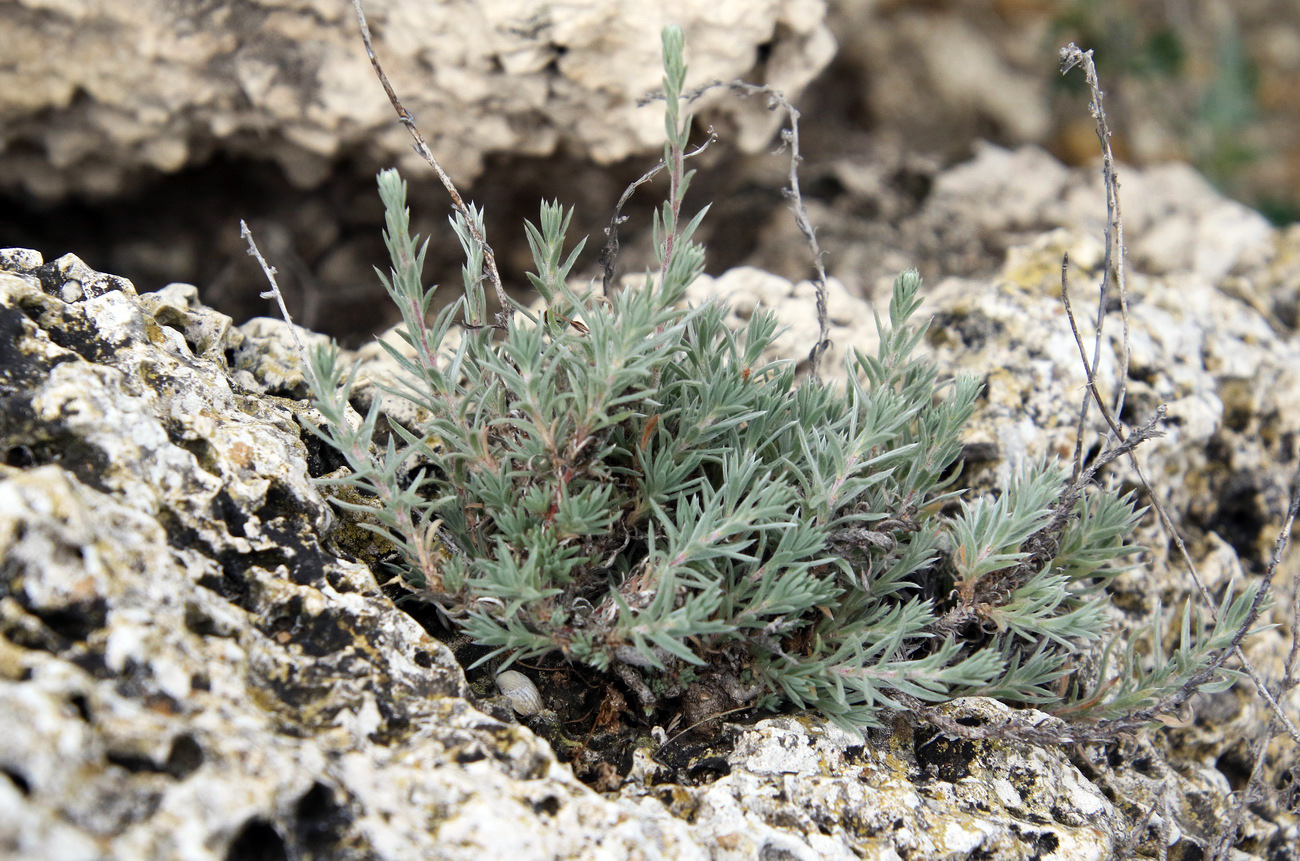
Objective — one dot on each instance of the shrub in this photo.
(625, 483)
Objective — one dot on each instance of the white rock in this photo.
(104, 89)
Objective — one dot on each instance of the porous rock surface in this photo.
(189, 669)
(93, 93)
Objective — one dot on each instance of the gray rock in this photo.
(95, 93)
(809, 790)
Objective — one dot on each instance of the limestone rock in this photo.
(810, 790)
(94, 93)
(186, 672)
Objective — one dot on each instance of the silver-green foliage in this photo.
(627, 483)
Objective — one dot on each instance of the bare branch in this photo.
(793, 193)
(274, 292)
(1124, 445)
(1072, 56)
(1289, 677)
(1256, 789)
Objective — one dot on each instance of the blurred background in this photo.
(138, 137)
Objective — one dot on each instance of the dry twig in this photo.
(274, 292)
(1072, 56)
(790, 137)
(1261, 597)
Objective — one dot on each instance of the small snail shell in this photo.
(522, 693)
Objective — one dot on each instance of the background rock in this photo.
(97, 93)
(193, 116)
